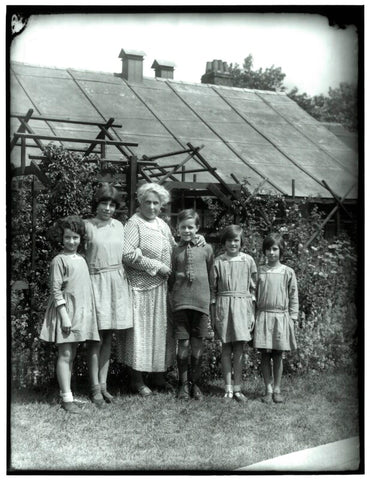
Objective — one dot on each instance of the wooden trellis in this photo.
(136, 170)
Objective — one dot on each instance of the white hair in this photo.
(146, 188)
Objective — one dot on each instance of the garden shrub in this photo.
(326, 329)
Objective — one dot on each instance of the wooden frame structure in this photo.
(138, 170)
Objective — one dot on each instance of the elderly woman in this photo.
(149, 346)
(112, 294)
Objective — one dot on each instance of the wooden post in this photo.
(33, 225)
(132, 184)
(337, 223)
(23, 155)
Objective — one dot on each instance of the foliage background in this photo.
(326, 329)
(339, 106)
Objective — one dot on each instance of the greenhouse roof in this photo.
(250, 135)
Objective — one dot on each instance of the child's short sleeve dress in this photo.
(70, 286)
(277, 307)
(234, 291)
(112, 292)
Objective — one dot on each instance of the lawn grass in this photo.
(163, 433)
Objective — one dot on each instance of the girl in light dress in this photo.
(277, 308)
(112, 292)
(232, 307)
(70, 314)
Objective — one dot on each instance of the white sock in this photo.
(237, 388)
(67, 397)
(269, 389)
(228, 388)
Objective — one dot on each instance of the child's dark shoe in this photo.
(196, 392)
(108, 398)
(98, 400)
(142, 390)
(183, 392)
(164, 387)
(240, 397)
(96, 396)
(71, 407)
(267, 398)
(277, 398)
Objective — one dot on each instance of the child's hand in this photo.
(65, 320)
(66, 325)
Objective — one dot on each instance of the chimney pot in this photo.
(132, 64)
(217, 74)
(163, 68)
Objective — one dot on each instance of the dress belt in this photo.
(276, 310)
(106, 268)
(233, 293)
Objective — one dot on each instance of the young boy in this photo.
(190, 283)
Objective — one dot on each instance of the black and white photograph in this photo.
(185, 239)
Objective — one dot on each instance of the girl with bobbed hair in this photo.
(112, 293)
(70, 314)
(277, 309)
(149, 346)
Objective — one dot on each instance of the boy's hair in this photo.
(72, 222)
(105, 192)
(187, 214)
(230, 232)
(274, 239)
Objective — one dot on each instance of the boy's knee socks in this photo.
(182, 366)
(196, 364)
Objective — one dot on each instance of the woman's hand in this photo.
(138, 255)
(164, 271)
(200, 241)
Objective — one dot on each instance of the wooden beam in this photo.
(221, 196)
(181, 164)
(101, 135)
(314, 235)
(195, 186)
(132, 184)
(63, 120)
(75, 140)
(337, 199)
(171, 154)
(21, 128)
(215, 174)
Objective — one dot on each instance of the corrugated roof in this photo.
(252, 134)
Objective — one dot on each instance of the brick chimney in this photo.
(132, 65)
(163, 68)
(217, 74)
